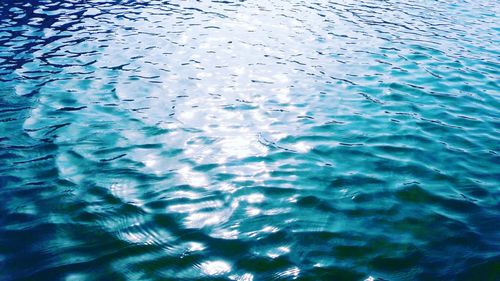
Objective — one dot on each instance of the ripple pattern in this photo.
(249, 140)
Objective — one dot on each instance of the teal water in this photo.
(249, 140)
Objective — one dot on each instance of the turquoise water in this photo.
(249, 140)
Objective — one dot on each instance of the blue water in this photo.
(249, 140)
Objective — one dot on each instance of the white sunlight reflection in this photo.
(292, 272)
(244, 277)
(218, 118)
(215, 268)
(274, 253)
(225, 233)
(195, 247)
(195, 179)
(231, 72)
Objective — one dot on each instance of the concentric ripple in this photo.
(249, 140)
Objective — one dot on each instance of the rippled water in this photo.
(249, 140)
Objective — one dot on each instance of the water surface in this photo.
(249, 140)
